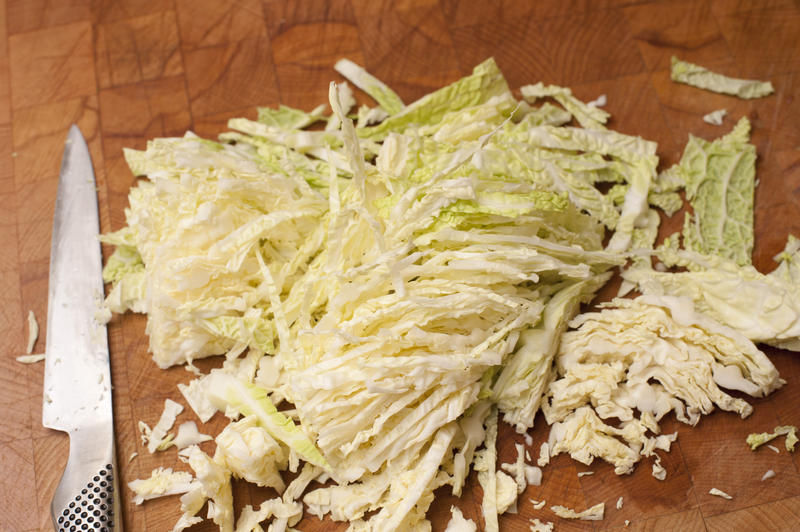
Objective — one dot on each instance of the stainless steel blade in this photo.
(77, 378)
(77, 383)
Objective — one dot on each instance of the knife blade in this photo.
(77, 376)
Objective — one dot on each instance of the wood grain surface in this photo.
(129, 70)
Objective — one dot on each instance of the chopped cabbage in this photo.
(600, 101)
(544, 454)
(157, 438)
(212, 486)
(506, 492)
(411, 493)
(669, 202)
(189, 435)
(541, 526)
(380, 92)
(247, 399)
(650, 355)
(595, 513)
(288, 117)
(756, 440)
(30, 359)
(522, 384)
(715, 117)
(33, 332)
(249, 452)
(402, 281)
(791, 438)
(458, 523)
(764, 308)
(589, 115)
(720, 182)
(697, 76)
(659, 471)
(287, 512)
(162, 482)
(348, 502)
(533, 475)
(485, 82)
(524, 474)
(485, 462)
(719, 493)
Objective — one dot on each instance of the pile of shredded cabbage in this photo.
(399, 276)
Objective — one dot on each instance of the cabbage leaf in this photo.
(720, 183)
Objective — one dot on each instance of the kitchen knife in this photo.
(77, 377)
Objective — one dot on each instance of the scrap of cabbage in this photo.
(399, 283)
(595, 513)
(701, 77)
(755, 440)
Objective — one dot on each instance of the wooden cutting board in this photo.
(129, 70)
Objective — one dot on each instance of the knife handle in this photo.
(87, 497)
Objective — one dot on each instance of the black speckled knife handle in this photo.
(87, 497)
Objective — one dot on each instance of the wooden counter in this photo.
(129, 70)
